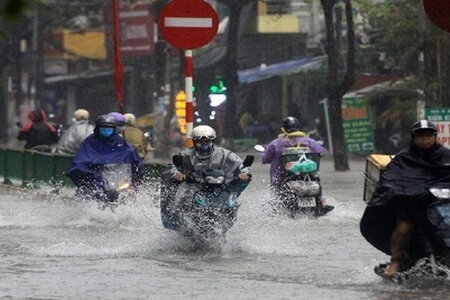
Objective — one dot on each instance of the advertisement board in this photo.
(137, 31)
(440, 117)
(357, 124)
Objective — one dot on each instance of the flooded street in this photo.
(53, 248)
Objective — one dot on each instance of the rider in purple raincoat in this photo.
(290, 136)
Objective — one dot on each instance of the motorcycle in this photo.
(429, 254)
(206, 205)
(116, 189)
(300, 190)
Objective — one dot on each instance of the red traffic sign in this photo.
(188, 24)
(438, 11)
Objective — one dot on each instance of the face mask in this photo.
(105, 131)
(204, 148)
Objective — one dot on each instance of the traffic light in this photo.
(217, 92)
(218, 87)
(180, 110)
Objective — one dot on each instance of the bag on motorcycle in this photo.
(303, 165)
(306, 187)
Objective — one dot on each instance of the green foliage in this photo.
(395, 110)
(13, 10)
(393, 28)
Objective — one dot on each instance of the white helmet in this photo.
(130, 119)
(203, 131)
(81, 114)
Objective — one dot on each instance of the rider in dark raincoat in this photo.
(102, 148)
(399, 204)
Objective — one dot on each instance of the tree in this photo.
(230, 69)
(400, 33)
(336, 88)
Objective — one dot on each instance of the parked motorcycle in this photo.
(300, 191)
(206, 204)
(429, 254)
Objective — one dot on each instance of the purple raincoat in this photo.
(275, 149)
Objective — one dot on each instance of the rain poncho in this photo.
(97, 152)
(403, 192)
(73, 136)
(275, 148)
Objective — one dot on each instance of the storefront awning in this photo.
(281, 69)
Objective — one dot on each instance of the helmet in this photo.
(130, 118)
(81, 114)
(120, 119)
(290, 124)
(424, 126)
(203, 132)
(203, 137)
(105, 126)
(106, 121)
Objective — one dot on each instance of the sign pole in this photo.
(187, 25)
(188, 71)
(327, 122)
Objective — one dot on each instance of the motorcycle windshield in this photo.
(116, 176)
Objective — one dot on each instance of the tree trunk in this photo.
(230, 65)
(230, 70)
(336, 89)
(445, 65)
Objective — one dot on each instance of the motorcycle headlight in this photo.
(214, 180)
(440, 193)
(124, 186)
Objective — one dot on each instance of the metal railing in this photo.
(34, 167)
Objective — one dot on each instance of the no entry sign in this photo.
(439, 13)
(188, 24)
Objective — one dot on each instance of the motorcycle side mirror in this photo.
(259, 148)
(248, 161)
(177, 160)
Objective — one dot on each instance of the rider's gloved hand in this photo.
(245, 177)
(179, 177)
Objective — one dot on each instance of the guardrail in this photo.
(32, 167)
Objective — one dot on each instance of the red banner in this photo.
(118, 67)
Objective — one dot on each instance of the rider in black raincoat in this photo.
(395, 219)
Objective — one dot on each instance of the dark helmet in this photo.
(290, 124)
(423, 126)
(106, 121)
(105, 126)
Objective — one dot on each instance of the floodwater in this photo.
(55, 248)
